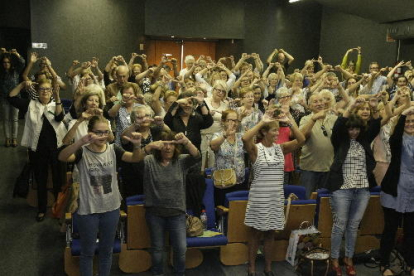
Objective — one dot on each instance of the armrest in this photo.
(221, 210)
(314, 195)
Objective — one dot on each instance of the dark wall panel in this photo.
(15, 14)
(195, 18)
(341, 31)
(79, 29)
(277, 24)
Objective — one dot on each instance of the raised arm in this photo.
(270, 57)
(32, 61)
(288, 56)
(390, 75)
(291, 146)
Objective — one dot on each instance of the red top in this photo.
(284, 133)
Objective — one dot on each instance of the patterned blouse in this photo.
(354, 168)
(231, 156)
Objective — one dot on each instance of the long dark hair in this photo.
(3, 71)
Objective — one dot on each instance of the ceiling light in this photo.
(293, 1)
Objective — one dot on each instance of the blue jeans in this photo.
(10, 119)
(348, 207)
(312, 181)
(176, 228)
(89, 226)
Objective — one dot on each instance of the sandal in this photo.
(385, 268)
(337, 270)
(350, 270)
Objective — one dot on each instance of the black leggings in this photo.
(391, 220)
(40, 160)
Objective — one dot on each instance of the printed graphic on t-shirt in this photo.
(101, 177)
(102, 183)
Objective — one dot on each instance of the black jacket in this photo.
(341, 143)
(392, 176)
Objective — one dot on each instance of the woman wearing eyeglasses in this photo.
(229, 153)
(249, 115)
(99, 197)
(217, 103)
(150, 127)
(43, 134)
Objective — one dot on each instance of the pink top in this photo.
(284, 133)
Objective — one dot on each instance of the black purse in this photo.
(314, 262)
(23, 181)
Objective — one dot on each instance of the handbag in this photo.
(314, 262)
(300, 241)
(226, 178)
(59, 206)
(194, 226)
(23, 181)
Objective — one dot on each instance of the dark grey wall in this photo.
(340, 31)
(79, 29)
(277, 24)
(15, 25)
(195, 18)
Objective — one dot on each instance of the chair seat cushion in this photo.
(76, 247)
(207, 241)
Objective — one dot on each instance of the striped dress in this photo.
(265, 208)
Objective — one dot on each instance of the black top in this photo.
(196, 122)
(392, 176)
(341, 142)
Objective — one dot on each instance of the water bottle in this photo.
(203, 218)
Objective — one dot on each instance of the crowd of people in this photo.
(159, 127)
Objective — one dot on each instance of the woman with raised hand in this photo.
(265, 207)
(99, 197)
(248, 114)
(121, 110)
(397, 195)
(43, 134)
(150, 127)
(12, 66)
(229, 153)
(216, 104)
(165, 174)
(349, 180)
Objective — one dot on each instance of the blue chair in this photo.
(194, 257)
(72, 250)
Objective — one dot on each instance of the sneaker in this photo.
(14, 143)
(7, 143)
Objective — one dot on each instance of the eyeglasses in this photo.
(220, 90)
(101, 133)
(46, 89)
(145, 116)
(324, 131)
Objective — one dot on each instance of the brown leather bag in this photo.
(225, 178)
(194, 226)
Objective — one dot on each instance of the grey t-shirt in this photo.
(164, 186)
(99, 191)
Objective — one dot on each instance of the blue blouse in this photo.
(404, 201)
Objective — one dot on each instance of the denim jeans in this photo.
(10, 119)
(89, 226)
(312, 181)
(176, 228)
(348, 207)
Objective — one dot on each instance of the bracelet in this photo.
(59, 103)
